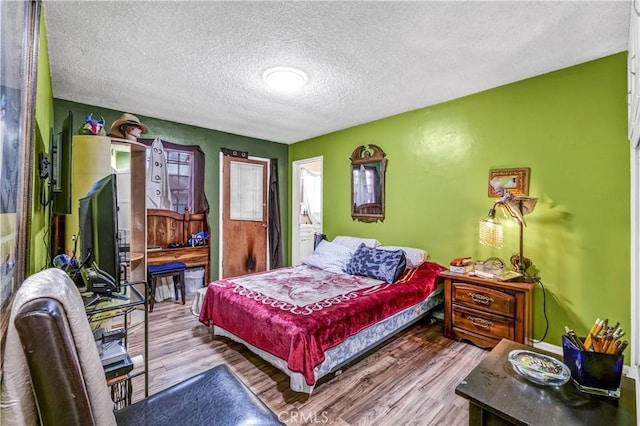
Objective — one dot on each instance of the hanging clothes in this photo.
(276, 256)
(200, 203)
(158, 191)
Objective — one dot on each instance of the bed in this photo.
(309, 322)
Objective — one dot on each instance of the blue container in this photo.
(593, 372)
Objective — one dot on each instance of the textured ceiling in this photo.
(201, 63)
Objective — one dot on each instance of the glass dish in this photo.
(538, 368)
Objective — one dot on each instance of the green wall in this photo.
(210, 141)
(39, 227)
(568, 126)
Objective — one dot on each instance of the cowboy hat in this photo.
(127, 118)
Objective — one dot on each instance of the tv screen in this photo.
(99, 228)
(60, 180)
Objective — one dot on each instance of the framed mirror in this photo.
(368, 167)
(20, 22)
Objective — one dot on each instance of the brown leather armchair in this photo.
(52, 373)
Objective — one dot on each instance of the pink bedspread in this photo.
(297, 318)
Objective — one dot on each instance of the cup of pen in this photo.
(592, 372)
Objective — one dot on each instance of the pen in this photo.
(622, 347)
(574, 338)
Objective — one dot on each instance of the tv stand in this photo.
(123, 305)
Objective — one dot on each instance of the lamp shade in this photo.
(517, 207)
(490, 230)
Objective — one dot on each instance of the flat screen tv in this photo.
(99, 230)
(60, 179)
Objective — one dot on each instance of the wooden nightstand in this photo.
(485, 311)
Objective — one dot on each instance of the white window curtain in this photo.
(366, 185)
(246, 191)
(311, 191)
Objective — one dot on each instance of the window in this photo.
(245, 192)
(180, 179)
(180, 174)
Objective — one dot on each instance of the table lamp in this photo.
(517, 207)
(491, 230)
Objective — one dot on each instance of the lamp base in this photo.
(520, 266)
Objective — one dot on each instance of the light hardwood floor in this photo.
(409, 380)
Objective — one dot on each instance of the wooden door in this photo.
(244, 216)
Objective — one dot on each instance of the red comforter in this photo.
(295, 322)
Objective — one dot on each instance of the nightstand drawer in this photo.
(484, 298)
(494, 326)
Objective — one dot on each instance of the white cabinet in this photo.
(307, 237)
(95, 157)
(91, 162)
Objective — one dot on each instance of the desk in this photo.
(498, 395)
(191, 256)
(166, 227)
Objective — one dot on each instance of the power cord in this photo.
(46, 195)
(47, 203)
(544, 311)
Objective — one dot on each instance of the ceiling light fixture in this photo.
(285, 79)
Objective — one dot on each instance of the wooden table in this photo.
(498, 395)
(191, 256)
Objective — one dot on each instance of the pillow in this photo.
(330, 257)
(415, 256)
(354, 242)
(381, 264)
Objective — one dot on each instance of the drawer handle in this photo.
(480, 322)
(481, 298)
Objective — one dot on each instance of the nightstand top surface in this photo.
(479, 280)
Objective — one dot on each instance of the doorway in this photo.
(306, 211)
(244, 220)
